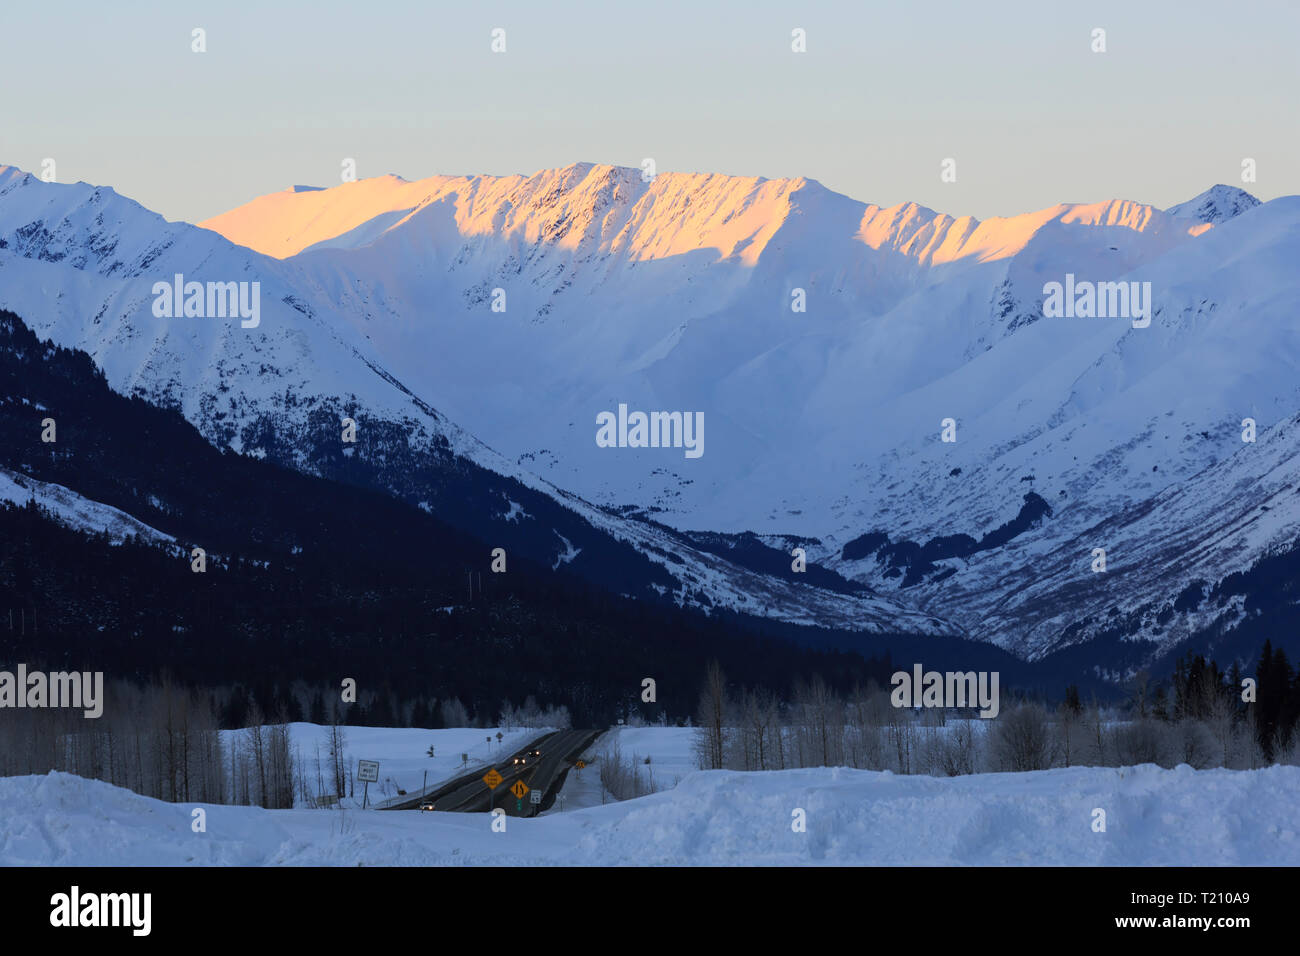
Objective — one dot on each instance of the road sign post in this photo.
(367, 773)
(520, 790)
(493, 780)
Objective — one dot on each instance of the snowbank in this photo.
(1153, 817)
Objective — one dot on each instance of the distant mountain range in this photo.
(474, 329)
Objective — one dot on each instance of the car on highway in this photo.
(521, 760)
(426, 805)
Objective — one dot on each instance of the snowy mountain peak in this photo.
(12, 174)
(1217, 204)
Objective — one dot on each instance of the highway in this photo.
(469, 794)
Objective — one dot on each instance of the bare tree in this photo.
(1138, 742)
(1095, 749)
(901, 732)
(960, 752)
(279, 760)
(1194, 744)
(759, 710)
(710, 742)
(1222, 724)
(338, 761)
(1022, 739)
(1067, 733)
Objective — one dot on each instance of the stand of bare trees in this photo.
(752, 730)
(161, 741)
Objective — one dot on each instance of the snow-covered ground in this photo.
(671, 750)
(671, 760)
(854, 817)
(402, 753)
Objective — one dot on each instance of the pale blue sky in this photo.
(886, 91)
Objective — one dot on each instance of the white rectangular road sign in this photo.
(368, 771)
(537, 796)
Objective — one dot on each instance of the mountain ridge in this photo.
(824, 424)
(272, 224)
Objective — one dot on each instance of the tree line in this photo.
(230, 744)
(1198, 716)
(163, 741)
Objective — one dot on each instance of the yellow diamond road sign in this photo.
(520, 789)
(493, 779)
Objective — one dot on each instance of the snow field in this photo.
(1154, 817)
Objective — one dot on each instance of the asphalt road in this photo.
(469, 794)
(558, 751)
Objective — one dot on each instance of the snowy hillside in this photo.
(76, 511)
(1154, 817)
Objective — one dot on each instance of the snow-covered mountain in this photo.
(825, 342)
(676, 294)
(1217, 204)
(79, 264)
